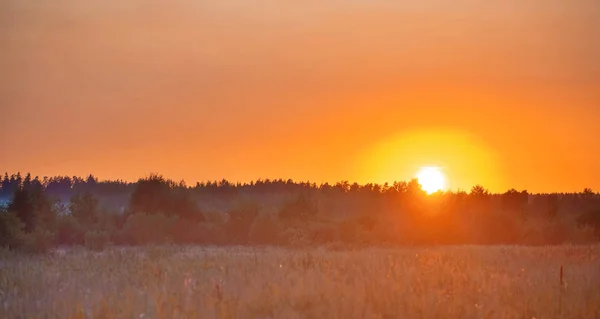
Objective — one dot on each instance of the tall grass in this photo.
(197, 282)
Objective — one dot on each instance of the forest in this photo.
(39, 214)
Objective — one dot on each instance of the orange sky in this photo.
(506, 94)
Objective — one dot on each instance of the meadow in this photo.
(328, 282)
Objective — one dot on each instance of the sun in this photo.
(431, 179)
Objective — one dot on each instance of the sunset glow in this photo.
(431, 179)
(365, 91)
(330, 159)
(467, 160)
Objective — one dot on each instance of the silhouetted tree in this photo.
(413, 198)
(84, 208)
(241, 218)
(27, 181)
(400, 212)
(59, 186)
(152, 196)
(5, 187)
(69, 231)
(157, 195)
(515, 201)
(44, 214)
(479, 191)
(92, 180)
(591, 219)
(18, 180)
(22, 206)
(299, 208)
(10, 230)
(184, 206)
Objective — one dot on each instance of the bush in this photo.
(70, 232)
(148, 229)
(186, 232)
(190, 232)
(347, 231)
(584, 235)
(37, 242)
(120, 237)
(84, 208)
(299, 208)
(184, 206)
(241, 218)
(23, 206)
(10, 230)
(33, 208)
(264, 231)
(590, 219)
(323, 233)
(106, 223)
(352, 232)
(96, 240)
(210, 233)
(295, 237)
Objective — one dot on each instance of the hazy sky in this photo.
(506, 94)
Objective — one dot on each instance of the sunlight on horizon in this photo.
(431, 179)
(466, 160)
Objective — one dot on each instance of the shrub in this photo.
(33, 208)
(584, 235)
(22, 205)
(84, 208)
(211, 233)
(352, 232)
(120, 237)
(368, 222)
(37, 242)
(337, 246)
(348, 231)
(158, 252)
(322, 233)
(96, 240)
(10, 230)
(190, 232)
(295, 237)
(106, 223)
(148, 229)
(184, 206)
(590, 219)
(264, 231)
(241, 218)
(299, 208)
(70, 231)
(185, 232)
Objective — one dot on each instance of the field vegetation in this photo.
(326, 282)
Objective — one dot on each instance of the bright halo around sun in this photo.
(431, 179)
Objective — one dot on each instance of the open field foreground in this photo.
(195, 282)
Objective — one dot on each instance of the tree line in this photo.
(42, 213)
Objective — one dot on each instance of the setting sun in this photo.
(431, 179)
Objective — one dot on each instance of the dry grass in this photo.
(194, 282)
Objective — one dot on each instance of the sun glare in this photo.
(431, 179)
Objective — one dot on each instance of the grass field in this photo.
(195, 282)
